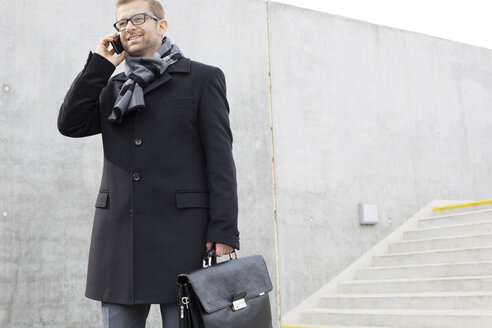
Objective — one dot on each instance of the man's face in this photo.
(140, 40)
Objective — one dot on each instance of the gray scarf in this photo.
(140, 72)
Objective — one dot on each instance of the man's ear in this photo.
(162, 26)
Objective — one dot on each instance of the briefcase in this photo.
(229, 294)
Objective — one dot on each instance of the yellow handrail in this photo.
(460, 205)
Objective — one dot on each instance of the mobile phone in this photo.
(117, 45)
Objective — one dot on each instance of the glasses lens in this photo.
(121, 25)
(138, 19)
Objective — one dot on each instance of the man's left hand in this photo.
(220, 249)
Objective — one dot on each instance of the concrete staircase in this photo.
(435, 271)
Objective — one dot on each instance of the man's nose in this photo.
(129, 26)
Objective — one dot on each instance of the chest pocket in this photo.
(172, 109)
(177, 103)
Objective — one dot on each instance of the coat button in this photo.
(136, 176)
(138, 141)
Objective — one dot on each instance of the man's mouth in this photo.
(134, 38)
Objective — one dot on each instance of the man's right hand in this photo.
(102, 49)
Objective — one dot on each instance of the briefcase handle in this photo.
(210, 259)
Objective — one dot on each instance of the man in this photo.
(168, 189)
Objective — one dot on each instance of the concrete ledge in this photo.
(456, 218)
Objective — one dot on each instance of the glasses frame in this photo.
(130, 19)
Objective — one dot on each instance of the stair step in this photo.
(464, 241)
(393, 286)
(432, 257)
(458, 301)
(308, 325)
(458, 269)
(450, 219)
(449, 231)
(400, 318)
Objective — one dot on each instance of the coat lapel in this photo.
(181, 66)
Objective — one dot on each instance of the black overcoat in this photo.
(168, 182)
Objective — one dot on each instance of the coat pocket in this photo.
(186, 199)
(102, 199)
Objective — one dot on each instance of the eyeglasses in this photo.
(137, 19)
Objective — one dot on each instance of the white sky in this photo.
(466, 21)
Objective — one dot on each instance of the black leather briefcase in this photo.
(229, 294)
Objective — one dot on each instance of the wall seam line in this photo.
(274, 186)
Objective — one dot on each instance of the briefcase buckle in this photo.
(207, 262)
(238, 304)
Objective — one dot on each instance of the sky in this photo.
(466, 21)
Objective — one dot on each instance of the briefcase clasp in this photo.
(238, 304)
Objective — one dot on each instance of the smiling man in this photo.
(168, 189)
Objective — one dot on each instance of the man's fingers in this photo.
(110, 36)
(220, 249)
(107, 39)
(121, 55)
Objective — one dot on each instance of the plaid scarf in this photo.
(140, 72)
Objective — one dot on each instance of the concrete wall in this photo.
(364, 113)
(51, 182)
(361, 113)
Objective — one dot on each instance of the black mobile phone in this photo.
(116, 44)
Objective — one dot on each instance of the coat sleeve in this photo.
(79, 113)
(216, 139)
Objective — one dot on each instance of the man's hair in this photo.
(154, 5)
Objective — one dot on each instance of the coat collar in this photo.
(181, 66)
